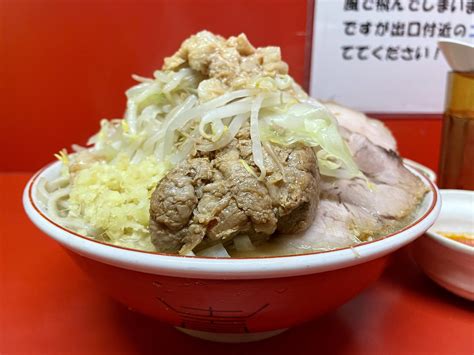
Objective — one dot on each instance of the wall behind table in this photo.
(418, 137)
(64, 65)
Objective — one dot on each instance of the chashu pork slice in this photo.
(356, 210)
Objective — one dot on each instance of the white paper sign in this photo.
(382, 56)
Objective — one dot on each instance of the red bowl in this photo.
(221, 299)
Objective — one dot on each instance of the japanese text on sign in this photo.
(388, 49)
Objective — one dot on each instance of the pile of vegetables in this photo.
(169, 117)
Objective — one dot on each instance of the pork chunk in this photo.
(213, 197)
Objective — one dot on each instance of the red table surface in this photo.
(47, 306)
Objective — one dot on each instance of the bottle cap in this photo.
(460, 88)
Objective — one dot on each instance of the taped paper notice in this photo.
(382, 55)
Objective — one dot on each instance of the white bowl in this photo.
(430, 174)
(231, 300)
(448, 262)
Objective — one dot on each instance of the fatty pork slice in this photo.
(354, 121)
(357, 210)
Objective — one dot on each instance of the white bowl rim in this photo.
(445, 241)
(230, 268)
(423, 168)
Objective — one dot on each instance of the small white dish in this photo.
(448, 262)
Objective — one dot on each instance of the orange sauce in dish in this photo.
(465, 238)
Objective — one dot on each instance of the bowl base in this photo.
(231, 337)
(450, 287)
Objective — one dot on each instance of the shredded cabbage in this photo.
(243, 243)
(314, 126)
(215, 251)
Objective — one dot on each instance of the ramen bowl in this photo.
(429, 173)
(230, 300)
